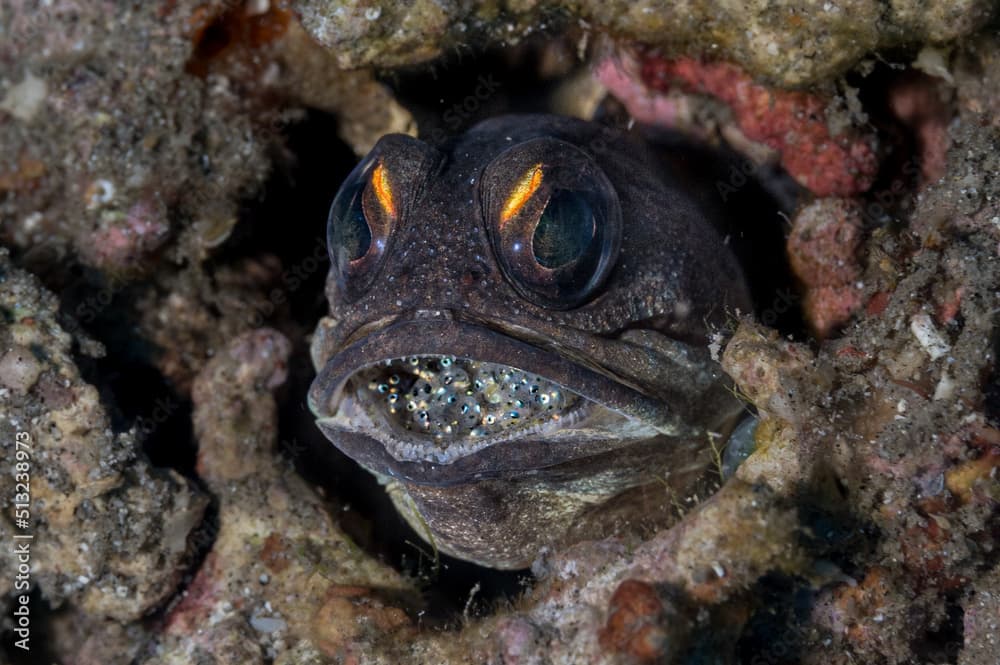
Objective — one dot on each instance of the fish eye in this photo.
(361, 219)
(555, 226)
(371, 206)
(564, 231)
(349, 235)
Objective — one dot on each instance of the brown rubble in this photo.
(110, 534)
(280, 573)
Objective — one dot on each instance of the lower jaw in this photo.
(505, 523)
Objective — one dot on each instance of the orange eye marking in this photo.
(383, 190)
(525, 187)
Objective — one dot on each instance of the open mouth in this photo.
(442, 407)
(449, 399)
(437, 392)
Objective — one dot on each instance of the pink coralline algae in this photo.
(790, 122)
(823, 248)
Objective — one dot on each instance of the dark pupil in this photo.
(352, 236)
(564, 231)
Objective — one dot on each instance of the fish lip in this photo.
(417, 334)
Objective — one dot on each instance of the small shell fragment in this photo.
(927, 334)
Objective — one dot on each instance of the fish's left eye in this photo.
(556, 226)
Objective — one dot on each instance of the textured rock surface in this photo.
(981, 629)
(110, 534)
(790, 44)
(133, 132)
(280, 574)
(189, 148)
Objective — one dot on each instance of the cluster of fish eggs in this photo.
(445, 397)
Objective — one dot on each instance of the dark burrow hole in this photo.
(943, 644)
(775, 632)
(133, 390)
(991, 392)
(444, 99)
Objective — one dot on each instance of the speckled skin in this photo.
(637, 346)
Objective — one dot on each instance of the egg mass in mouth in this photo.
(450, 400)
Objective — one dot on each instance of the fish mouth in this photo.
(436, 400)
(443, 407)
